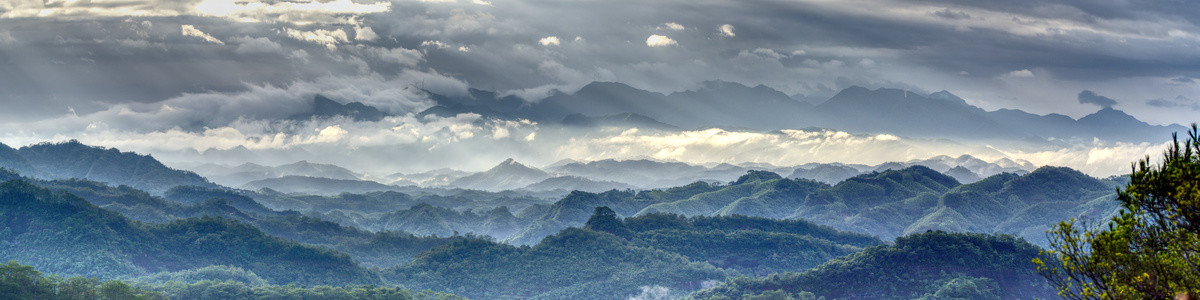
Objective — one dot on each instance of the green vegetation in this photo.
(887, 204)
(758, 193)
(379, 249)
(611, 258)
(573, 264)
(64, 234)
(931, 265)
(203, 241)
(1149, 250)
(748, 245)
(75, 160)
(24, 282)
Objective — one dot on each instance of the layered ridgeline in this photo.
(676, 239)
(63, 234)
(931, 265)
(242, 174)
(602, 175)
(75, 160)
(887, 204)
(887, 200)
(567, 175)
(855, 109)
(372, 249)
(611, 258)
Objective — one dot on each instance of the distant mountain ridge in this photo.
(508, 175)
(854, 109)
(323, 107)
(241, 174)
(73, 159)
(317, 185)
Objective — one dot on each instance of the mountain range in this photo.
(247, 172)
(324, 108)
(585, 245)
(854, 109)
(602, 175)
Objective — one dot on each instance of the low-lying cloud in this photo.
(408, 143)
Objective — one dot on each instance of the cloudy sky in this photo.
(215, 73)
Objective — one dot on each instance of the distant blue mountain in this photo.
(854, 109)
(324, 107)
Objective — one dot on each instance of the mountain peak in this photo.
(1109, 116)
(509, 174)
(323, 107)
(948, 97)
(511, 165)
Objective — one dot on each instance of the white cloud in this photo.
(435, 44)
(460, 21)
(249, 45)
(364, 33)
(1023, 73)
(464, 49)
(671, 26)
(295, 12)
(254, 119)
(549, 41)
(189, 30)
(726, 30)
(300, 54)
(329, 38)
(762, 53)
(659, 41)
(300, 12)
(1099, 159)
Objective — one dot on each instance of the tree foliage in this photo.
(930, 265)
(1151, 249)
(19, 281)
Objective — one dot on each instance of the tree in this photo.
(605, 219)
(1151, 249)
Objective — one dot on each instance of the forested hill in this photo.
(19, 281)
(887, 204)
(611, 258)
(931, 265)
(63, 234)
(370, 248)
(75, 160)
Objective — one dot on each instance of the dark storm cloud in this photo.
(1090, 97)
(53, 64)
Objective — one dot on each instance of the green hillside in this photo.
(63, 234)
(612, 258)
(931, 265)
